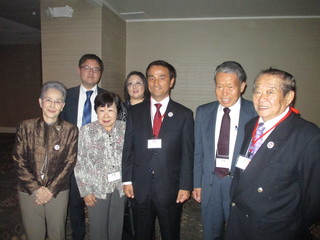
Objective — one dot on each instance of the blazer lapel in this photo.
(209, 126)
(168, 119)
(244, 117)
(263, 156)
(146, 116)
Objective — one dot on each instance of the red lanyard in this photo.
(255, 129)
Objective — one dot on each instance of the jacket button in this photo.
(260, 189)
(247, 215)
(233, 204)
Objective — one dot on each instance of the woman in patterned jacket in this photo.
(45, 153)
(98, 168)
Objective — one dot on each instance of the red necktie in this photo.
(157, 121)
(223, 143)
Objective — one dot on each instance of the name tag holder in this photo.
(154, 143)
(114, 176)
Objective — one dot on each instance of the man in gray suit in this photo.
(214, 167)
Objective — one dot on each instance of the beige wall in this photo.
(90, 30)
(195, 48)
(113, 51)
(65, 40)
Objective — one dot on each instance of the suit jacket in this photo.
(277, 196)
(204, 158)
(36, 141)
(70, 110)
(172, 164)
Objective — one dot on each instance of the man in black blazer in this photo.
(275, 191)
(157, 167)
(90, 70)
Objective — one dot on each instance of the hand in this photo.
(43, 195)
(183, 195)
(128, 190)
(197, 194)
(90, 200)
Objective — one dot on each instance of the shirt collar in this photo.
(233, 107)
(83, 89)
(164, 102)
(272, 122)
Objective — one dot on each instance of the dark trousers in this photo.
(169, 218)
(77, 214)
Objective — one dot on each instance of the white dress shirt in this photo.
(269, 124)
(164, 104)
(82, 100)
(234, 122)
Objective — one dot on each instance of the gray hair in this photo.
(288, 81)
(231, 67)
(55, 85)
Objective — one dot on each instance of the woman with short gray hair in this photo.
(45, 153)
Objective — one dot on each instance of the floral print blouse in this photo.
(99, 155)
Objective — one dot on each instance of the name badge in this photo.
(243, 162)
(154, 143)
(223, 162)
(114, 177)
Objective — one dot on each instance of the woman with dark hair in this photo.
(135, 91)
(45, 153)
(98, 168)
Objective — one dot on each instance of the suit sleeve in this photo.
(186, 167)
(128, 150)
(198, 152)
(20, 156)
(310, 162)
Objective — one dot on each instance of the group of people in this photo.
(253, 166)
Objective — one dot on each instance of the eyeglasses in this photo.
(87, 68)
(48, 100)
(132, 84)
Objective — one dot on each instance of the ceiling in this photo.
(20, 19)
(209, 9)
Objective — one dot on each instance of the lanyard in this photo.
(255, 129)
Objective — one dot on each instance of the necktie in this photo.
(86, 117)
(223, 143)
(255, 146)
(157, 121)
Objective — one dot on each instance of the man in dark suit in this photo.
(90, 70)
(211, 188)
(275, 191)
(157, 166)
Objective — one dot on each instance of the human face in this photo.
(268, 98)
(90, 73)
(51, 104)
(228, 88)
(135, 88)
(107, 116)
(159, 82)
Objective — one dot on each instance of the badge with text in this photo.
(223, 162)
(243, 162)
(114, 176)
(154, 143)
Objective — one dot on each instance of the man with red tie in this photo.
(158, 156)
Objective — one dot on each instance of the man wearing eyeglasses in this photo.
(79, 110)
